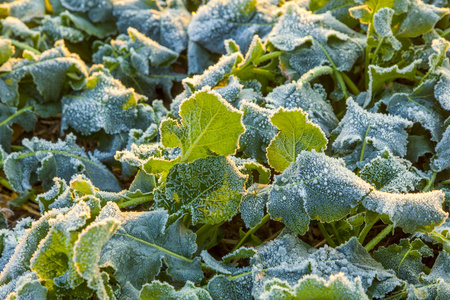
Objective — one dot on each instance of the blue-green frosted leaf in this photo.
(340, 10)
(392, 174)
(11, 238)
(42, 160)
(420, 107)
(238, 20)
(28, 287)
(167, 24)
(249, 166)
(259, 131)
(309, 39)
(310, 100)
(310, 286)
(50, 72)
(221, 288)
(157, 290)
(441, 160)
(80, 22)
(315, 186)
(208, 189)
(97, 11)
(25, 10)
(105, 103)
(10, 115)
(14, 28)
(405, 258)
(375, 132)
(412, 212)
(199, 59)
(382, 22)
(155, 245)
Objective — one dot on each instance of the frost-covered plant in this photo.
(329, 119)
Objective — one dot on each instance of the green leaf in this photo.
(87, 253)
(10, 115)
(50, 72)
(209, 190)
(312, 100)
(146, 237)
(340, 10)
(362, 135)
(208, 124)
(42, 160)
(311, 286)
(418, 145)
(6, 50)
(296, 134)
(157, 290)
(405, 259)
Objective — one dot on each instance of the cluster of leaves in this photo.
(327, 116)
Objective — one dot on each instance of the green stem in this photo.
(377, 50)
(267, 57)
(367, 56)
(316, 72)
(352, 86)
(430, 182)
(445, 32)
(24, 46)
(446, 181)
(379, 237)
(6, 184)
(176, 255)
(336, 233)
(363, 149)
(11, 117)
(326, 235)
(136, 201)
(336, 71)
(366, 229)
(264, 220)
(17, 147)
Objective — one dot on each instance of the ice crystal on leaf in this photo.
(311, 40)
(162, 290)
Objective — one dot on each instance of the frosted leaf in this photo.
(57, 29)
(50, 72)
(376, 131)
(208, 123)
(253, 204)
(209, 189)
(420, 18)
(9, 239)
(97, 10)
(27, 287)
(405, 259)
(25, 10)
(14, 28)
(105, 103)
(421, 107)
(308, 39)
(379, 76)
(418, 145)
(165, 25)
(412, 212)
(442, 88)
(144, 235)
(289, 259)
(310, 100)
(296, 134)
(392, 174)
(220, 287)
(162, 290)
(87, 253)
(310, 286)
(19, 263)
(236, 93)
(259, 131)
(9, 116)
(239, 20)
(382, 22)
(339, 9)
(441, 160)
(315, 186)
(41, 160)
(435, 285)
(199, 59)
(249, 166)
